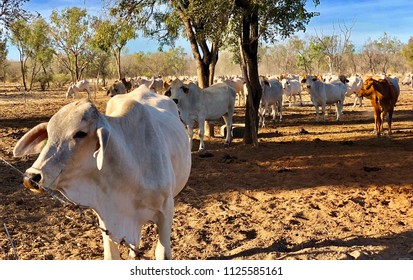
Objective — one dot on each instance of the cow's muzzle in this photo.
(31, 181)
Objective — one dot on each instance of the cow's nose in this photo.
(175, 100)
(32, 180)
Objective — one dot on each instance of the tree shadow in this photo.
(398, 250)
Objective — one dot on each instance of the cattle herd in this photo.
(79, 144)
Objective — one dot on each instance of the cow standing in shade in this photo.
(200, 105)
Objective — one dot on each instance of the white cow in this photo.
(353, 87)
(82, 85)
(272, 96)
(292, 88)
(127, 165)
(200, 105)
(323, 94)
(408, 79)
(336, 93)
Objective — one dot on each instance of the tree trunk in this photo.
(23, 70)
(249, 54)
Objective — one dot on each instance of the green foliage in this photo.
(60, 79)
(407, 51)
(71, 34)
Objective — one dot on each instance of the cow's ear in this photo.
(32, 142)
(103, 134)
(185, 89)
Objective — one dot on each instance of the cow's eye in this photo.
(79, 135)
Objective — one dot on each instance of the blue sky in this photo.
(371, 18)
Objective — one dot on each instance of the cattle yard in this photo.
(309, 191)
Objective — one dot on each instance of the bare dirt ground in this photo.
(309, 191)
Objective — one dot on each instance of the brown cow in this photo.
(383, 95)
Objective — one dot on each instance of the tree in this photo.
(335, 46)
(381, 54)
(407, 51)
(111, 35)
(19, 38)
(204, 23)
(33, 44)
(71, 34)
(263, 20)
(3, 58)
(10, 11)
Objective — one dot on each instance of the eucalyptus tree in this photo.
(380, 54)
(206, 22)
(33, 44)
(3, 58)
(71, 34)
(10, 11)
(407, 51)
(111, 35)
(202, 22)
(255, 20)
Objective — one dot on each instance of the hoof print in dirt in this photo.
(371, 169)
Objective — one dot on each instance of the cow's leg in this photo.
(389, 120)
(228, 122)
(301, 100)
(261, 116)
(164, 223)
(377, 122)
(190, 131)
(201, 134)
(316, 113)
(280, 110)
(110, 248)
(133, 248)
(323, 111)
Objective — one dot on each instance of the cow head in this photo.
(177, 91)
(72, 143)
(367, 89)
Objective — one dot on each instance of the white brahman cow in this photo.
(408, 79)
(292, 88)
(127, 165)
(200, 105)
(353, 87)
(272, 96)
(82, 85)
(323, 94)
